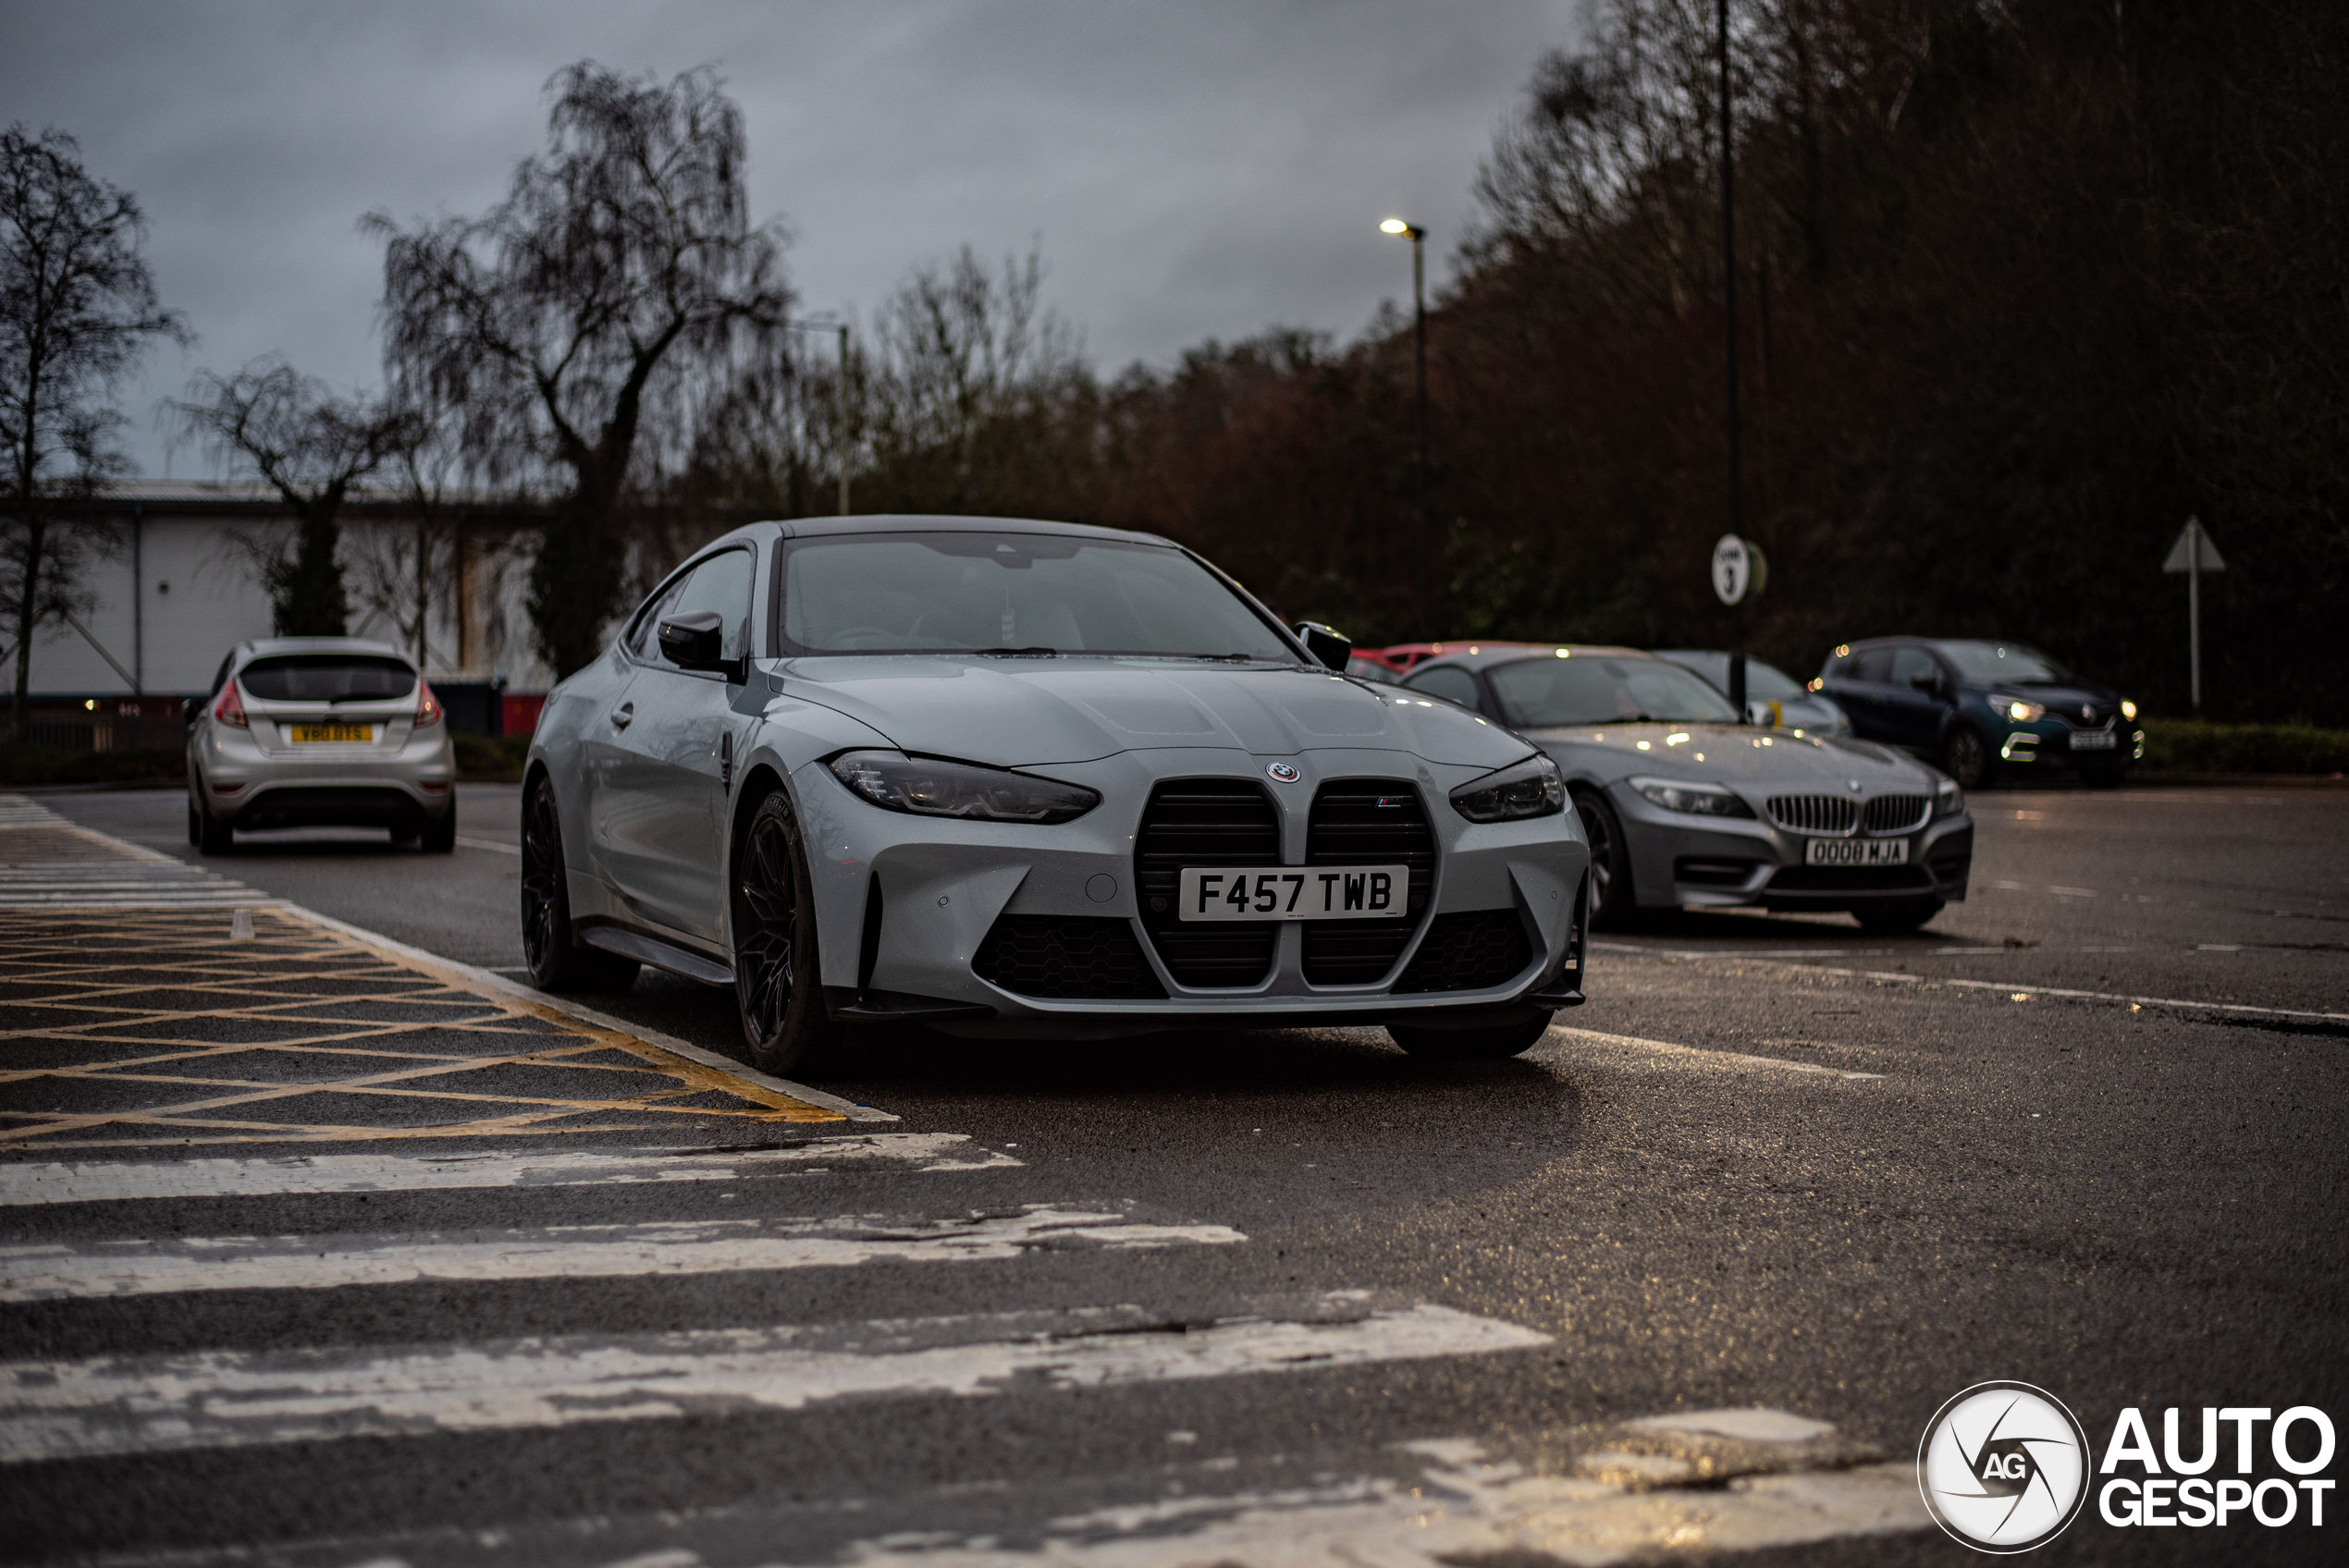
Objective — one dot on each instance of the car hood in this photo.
(2063, 701)
(1727, 753)
(1018, 712)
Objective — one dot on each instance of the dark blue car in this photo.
(1983, 708)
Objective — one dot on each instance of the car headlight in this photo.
(2128, 709)
(1697, 799)
(931, 787)
(1531, 788)
(2022, 712)
(1948, 798)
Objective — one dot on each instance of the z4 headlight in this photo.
(1697, 799)
(2128, 710)
(1531, 788)
(1948, 798)
(2022, 712)
(932, 787)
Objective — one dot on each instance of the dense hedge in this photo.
(2184, 745)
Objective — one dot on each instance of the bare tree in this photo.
(310, 446)
(77, 308)
(619, 280)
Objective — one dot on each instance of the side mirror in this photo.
(1930, 684)
(694, 641)
(1331, 647)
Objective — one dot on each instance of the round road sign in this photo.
(1732, 569)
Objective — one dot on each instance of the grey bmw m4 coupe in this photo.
(1018, 778)
(1683, 805)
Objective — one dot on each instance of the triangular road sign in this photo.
(2194, 537)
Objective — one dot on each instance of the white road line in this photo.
(58, 1272)
(224, 1399)
(23, 1186)
(1935, 981)
(500, 845)
(1458, 1509)
(115, 876)
(1696, 1054)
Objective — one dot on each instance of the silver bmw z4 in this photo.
(1018, 778)
(1685, 806)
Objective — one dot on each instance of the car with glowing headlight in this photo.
(319, 733)
(1982, 709)
(1685, 806)
(1006, 778)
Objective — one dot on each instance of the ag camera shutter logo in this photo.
(2003, 1467)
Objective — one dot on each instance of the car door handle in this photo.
(622, 716)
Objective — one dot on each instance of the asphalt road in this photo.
(1291, 1296)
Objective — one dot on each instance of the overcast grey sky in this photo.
(1194, 168)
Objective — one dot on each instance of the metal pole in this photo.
(840, 417)
(1730, 319)
(2193, 605)
(138, 601)
(1418, 334)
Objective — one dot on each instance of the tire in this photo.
(557, 962)
(1614, 904)
(1470, 1045)
(777, 976)
(206, 832)
(441, 838)
(1896, 917)
(1966, 757)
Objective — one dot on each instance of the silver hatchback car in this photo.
(319, 733)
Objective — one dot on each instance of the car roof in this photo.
(263, 648)
(1477, 656)
(919, 522)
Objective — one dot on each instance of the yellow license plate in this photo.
(344, 733)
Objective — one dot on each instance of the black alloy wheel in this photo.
(557, 962)
(1965, 757)
(1491, 1043)
(1896, 917)
(776, 977)
(206, 832)
(1614, 905)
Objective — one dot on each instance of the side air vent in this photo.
(1205, 822)
(1814, 814)
(1367, 822)
(1897, 814)
(1468, 952)
(1065, 957)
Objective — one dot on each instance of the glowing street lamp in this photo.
(1418, 237)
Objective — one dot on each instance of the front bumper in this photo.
(252, 788)
(1679, 860)
(907, 904)
(2052, 744)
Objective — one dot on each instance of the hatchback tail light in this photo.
(427, 706)
(230, 708)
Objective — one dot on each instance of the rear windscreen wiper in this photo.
(1014, 652)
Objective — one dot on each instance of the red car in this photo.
(1394, 663)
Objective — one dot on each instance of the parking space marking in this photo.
(24, 1185)
(1936, 982)
(498, 845)
(123, 1405)
(1697, 1055)
(48, 861)
(58, 1272)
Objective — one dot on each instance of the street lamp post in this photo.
(1418, 237)
(1729, 327)
(840, 396)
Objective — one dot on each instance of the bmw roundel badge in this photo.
(1282, 772)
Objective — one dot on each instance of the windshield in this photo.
(1987, 664)
(1013, 593)
(326, 678)
(1766, 682)
(1543, 693)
